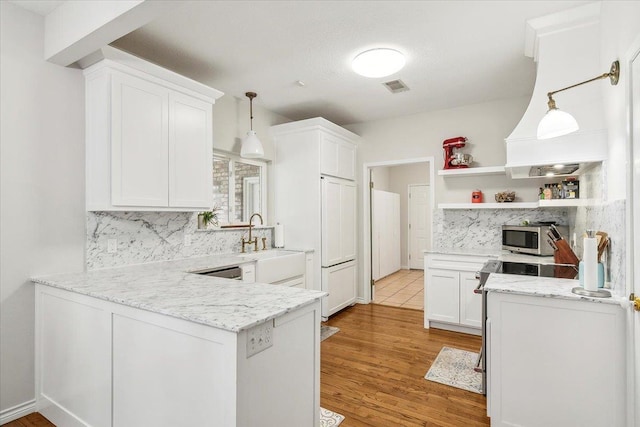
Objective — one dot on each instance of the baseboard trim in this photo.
(18, 411)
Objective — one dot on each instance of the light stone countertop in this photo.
(491, 253)
(500, 254)
(548, 287)
(168, 288)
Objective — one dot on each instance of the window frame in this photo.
(231, 159)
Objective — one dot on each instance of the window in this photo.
(239, 188)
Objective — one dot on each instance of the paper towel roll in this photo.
(590, 261)
(278, 237)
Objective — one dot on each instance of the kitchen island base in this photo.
(99, 363)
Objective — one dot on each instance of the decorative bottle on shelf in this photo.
(547, 192)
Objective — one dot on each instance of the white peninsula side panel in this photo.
(99, 363)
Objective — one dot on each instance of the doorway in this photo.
(423, 171)
(419, 230)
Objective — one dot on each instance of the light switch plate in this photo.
(259, 338)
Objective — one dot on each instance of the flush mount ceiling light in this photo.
(557, 123)
(379, 62)
(251, 145)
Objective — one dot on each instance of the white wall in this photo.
(231, 123)
(620, 22)
(421, 135)
(380, 178)
(42, 187)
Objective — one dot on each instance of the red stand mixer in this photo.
(453, 159)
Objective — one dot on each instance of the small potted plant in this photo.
(208, 217)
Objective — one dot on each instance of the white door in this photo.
(385, 232)
(139, 153)
(338, 221)
(470, 302)
(634, 193)
(190, 151)
(419, 225)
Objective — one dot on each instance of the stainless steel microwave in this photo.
(529, 239)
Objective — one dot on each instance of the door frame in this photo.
(632, 221)
(409, 220)
(366, 212)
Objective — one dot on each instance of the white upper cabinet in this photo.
(149, 138)
(337, 157)
(189, 146)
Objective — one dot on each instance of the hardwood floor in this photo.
(31, 420)
(372, 371)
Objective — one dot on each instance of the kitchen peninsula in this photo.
(157, 345)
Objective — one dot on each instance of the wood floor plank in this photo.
(372, 371)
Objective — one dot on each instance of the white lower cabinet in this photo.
(103, 364)
(340, 282)
(450, 302)
(555, 362)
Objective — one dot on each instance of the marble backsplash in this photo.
(157, 236)
(481, 228)
(610, 218)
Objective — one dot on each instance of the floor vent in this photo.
(396, 86)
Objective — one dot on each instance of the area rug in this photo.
(454, 367)
(329, 418)
(327, 331)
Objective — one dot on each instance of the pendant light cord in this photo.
(251, 95)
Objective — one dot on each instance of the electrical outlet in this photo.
(187, 239)
(259, 338)
(112, 246)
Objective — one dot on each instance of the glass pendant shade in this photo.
(378, 62)
(251, 146)
(556, 123)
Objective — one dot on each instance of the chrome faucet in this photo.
(254, 240)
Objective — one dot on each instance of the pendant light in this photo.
(251, 145)
(557, 123)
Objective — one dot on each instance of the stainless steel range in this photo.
(508, 267)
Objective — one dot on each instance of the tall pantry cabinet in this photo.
(316, 201)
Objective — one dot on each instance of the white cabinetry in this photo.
(450, 302)
(338, 221)
(340, 281)
(315, 200)
(555, 362)
(148, 138)
(337, 157)
(100, 363)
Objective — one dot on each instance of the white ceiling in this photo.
(458, 52)
(41, 7)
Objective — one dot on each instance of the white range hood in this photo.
(566, 47)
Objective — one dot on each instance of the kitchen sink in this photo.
(275, 265)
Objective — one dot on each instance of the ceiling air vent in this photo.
(396, 86)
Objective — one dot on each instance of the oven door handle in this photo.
(478, 368)
(479, 289)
